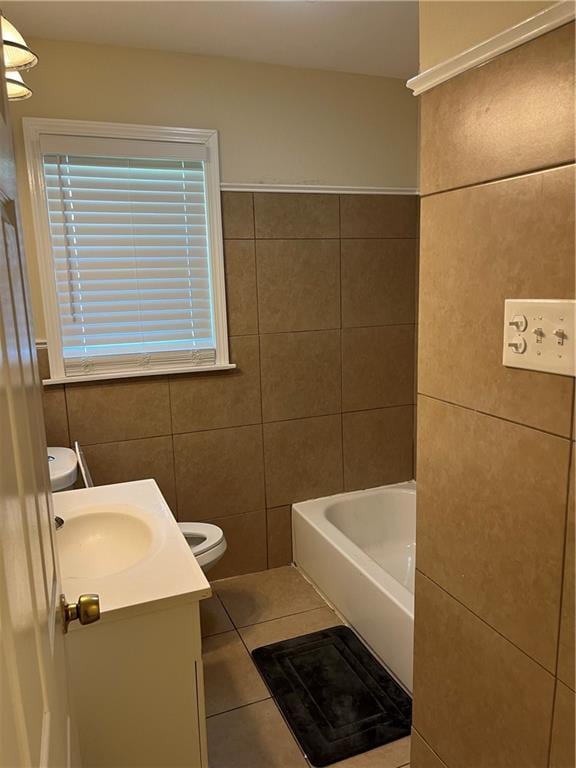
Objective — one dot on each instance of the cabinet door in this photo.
(137, 689)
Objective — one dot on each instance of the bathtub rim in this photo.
(313, 511)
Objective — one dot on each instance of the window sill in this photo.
(138, 374)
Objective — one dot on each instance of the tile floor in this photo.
(245, 728)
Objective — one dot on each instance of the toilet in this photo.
(206, 541)
(63, 468)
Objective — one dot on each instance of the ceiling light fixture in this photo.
(17, 55)
(16, 87)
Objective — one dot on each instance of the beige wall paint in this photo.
(278, 125)
(448, 28)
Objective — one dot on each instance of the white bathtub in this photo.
(359, 550)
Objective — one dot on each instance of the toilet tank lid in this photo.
(62, 464)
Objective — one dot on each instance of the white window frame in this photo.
(34, 129)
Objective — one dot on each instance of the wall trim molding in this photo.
(550, 18)
(317, 189)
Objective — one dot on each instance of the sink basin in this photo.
(122, 542)
(103, 540)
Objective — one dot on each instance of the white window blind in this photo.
(131, 257)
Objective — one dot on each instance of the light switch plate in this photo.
(539, 335)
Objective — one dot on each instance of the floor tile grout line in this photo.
(249, 652)
(289, 615)
(220, 632)
(291, 732)
(237, 632)
(270, 697)
(295, 740)
(300, 748)
(296, 613)
(251, 662)
(242, 706)
(215, 593)
(277, 618)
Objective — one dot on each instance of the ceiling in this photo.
(373, 38)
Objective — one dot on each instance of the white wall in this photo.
(277, 124)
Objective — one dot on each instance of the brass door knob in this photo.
(86, 610)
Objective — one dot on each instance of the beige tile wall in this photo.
(489, 132)
(494, 637)
(321, 308)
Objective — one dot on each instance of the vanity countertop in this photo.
(122, 542)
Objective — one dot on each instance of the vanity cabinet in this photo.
(135, 676)
(137, 689)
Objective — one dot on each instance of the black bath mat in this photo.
(337, 698)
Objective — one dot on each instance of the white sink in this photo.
(122, 542)
(103, 540)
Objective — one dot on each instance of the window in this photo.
(128, 229)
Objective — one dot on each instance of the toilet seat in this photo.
(210, 536)
(206, 541)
